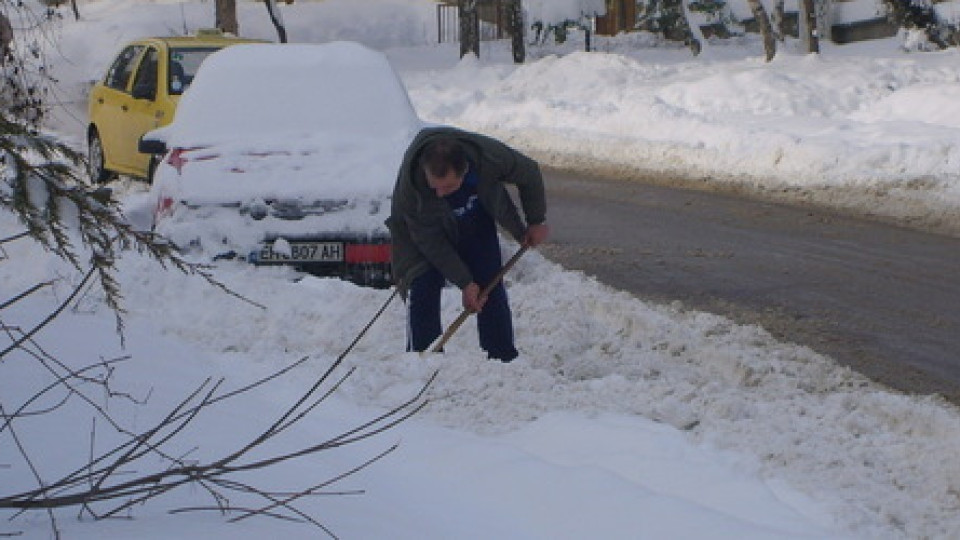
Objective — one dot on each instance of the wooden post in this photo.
(469, 28)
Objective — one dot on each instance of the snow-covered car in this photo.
(286, 155)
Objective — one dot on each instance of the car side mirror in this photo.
(151, 146)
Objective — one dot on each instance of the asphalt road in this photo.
(881, 299)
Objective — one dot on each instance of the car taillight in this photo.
(164, 204)
(176, 159)
(178, 156)
(367, 253)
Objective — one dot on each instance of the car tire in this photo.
(152, 168)
(98, 173)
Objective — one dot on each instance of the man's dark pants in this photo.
(481, 253)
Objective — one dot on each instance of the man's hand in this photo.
(472, 301)
(536, 235)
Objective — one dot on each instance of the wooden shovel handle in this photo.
(452, 329)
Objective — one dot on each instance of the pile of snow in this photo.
(872, 133)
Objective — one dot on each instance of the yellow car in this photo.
(139, 93)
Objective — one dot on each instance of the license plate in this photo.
(304, 252)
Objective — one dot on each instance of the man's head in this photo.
(444, 162)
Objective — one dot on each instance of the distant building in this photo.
(858, 20)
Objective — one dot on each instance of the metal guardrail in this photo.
(493, 21)
(448, 23)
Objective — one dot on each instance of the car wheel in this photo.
(152, 168)
(98, 174)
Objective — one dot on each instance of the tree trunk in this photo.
(690, 39)
(811, 38)
(469, 28)
(226, 16)
(6, 38)
(779, 21)
(763, 22)
(517, 31)
(274, 12)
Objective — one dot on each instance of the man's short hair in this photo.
(442, 155)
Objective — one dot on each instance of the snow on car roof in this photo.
(280, 121)
(246, 91)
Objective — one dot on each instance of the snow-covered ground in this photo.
(620, 419)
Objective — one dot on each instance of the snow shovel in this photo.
(455, 325)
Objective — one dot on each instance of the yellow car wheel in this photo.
(152, 168)
(98, 174)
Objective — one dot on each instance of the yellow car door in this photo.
(145, 111)
(110, 102)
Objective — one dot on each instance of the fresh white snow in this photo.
(621, 418)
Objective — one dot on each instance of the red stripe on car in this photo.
(368, 253)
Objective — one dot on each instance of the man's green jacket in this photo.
(422, 225)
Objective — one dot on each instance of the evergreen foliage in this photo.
(24, 74)
(43, 181)
(714, 8)
(665, 17)
(920, 15)
(41, 184)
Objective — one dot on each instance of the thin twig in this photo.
(33, 470)
(7, 239)
(53, 315)
(100, 474)
(25, 294)
(333, 480)
(21, 411)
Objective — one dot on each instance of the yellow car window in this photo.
(119, 73)
(145, 83)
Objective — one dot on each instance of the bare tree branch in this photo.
(25, 294)
(49, 318)
(96, 482)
